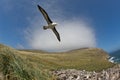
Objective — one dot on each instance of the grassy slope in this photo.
(34, 65)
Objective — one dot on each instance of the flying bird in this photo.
(51, 24)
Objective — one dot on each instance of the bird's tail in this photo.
(44, 27)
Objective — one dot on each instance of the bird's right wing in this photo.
(44, 14)
(56, 33)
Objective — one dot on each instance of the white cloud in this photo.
(74, 34)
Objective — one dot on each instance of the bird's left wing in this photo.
(44, 14)
(56, 33)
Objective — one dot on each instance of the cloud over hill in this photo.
(74, 34)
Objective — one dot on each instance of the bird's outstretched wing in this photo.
(44, 14)
(56, 33)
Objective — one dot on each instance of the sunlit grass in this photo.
(16, 67)
(35, 65)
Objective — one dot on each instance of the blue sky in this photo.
(20, 17)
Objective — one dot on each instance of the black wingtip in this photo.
(59, 40)
(38, 6)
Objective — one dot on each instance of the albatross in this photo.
(51, 24)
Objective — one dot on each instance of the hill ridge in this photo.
(19, 65)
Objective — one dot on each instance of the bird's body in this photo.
(51, 25)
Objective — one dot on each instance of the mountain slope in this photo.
(32, 65)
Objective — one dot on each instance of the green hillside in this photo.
(35, 64)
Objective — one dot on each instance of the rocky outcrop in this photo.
(73, 74)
